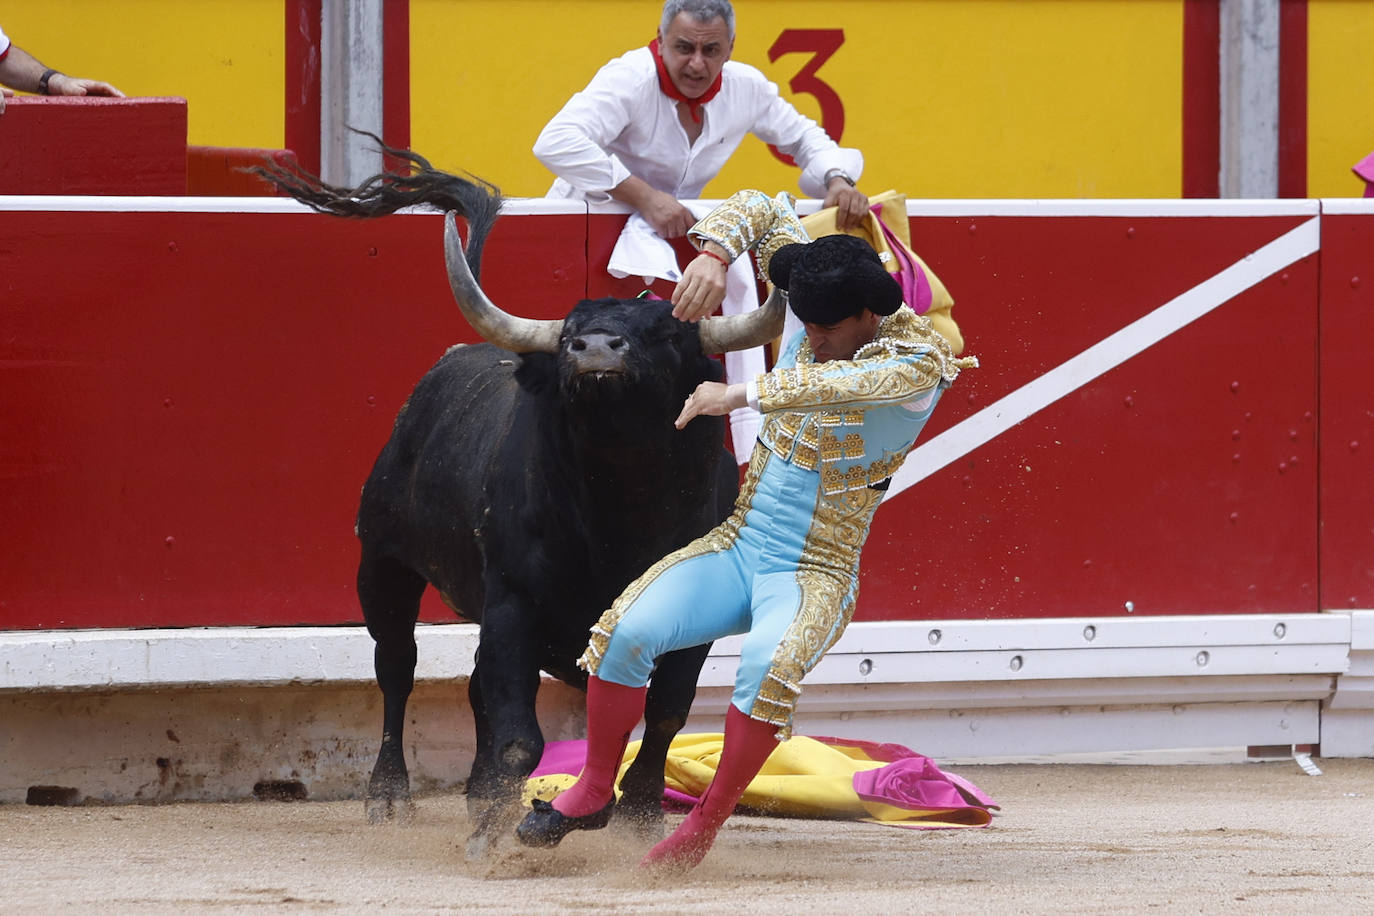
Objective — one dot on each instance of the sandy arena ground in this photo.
(1239, 838)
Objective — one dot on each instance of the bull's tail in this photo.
(476, 200)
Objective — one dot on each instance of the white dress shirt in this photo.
(623, 125)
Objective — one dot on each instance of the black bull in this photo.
(529, 480)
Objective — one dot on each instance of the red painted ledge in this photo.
(93, 146)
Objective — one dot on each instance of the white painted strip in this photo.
(536, 206)
(1362, 630)
(1108, 208)
(1020, 735)
(150, 204)
(541, 206)
(1121, 207)
(1348, 206)
(932, 637)
(1123, 691)
(964, 650)
(1105, 355)
(1021, 665)
(217, 656)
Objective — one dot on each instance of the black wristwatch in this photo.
(43, 81)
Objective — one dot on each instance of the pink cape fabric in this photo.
(1365, 169)
(916, 291)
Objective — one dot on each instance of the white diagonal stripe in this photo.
(1106, 354)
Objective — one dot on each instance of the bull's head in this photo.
(528, 335)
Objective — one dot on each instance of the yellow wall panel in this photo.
(1340, 94)
(949, 98)
(225, 57)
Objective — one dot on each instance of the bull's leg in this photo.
(507, 683)
(671, 692)
(390, 597)
(481, 773)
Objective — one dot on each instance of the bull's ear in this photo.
(537, 372)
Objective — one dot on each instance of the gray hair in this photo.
(703, 11)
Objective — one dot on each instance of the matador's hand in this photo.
(702, 287)
(712, 399)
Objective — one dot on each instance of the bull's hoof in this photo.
(644, 824)
(494, 819)
(479, 845)
(546, 826)
(387, 809)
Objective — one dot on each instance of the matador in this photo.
(842, 407)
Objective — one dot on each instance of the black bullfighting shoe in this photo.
(546, 825)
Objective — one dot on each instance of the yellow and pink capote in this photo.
(805, 776)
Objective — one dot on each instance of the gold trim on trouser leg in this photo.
(827, 576)
(717, 540)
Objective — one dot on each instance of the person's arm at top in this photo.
(21, 70)
(573, 145)
(660, 209)
(829, 171)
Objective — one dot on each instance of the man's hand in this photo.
(4, 94)
(667, 215)
(669, 218)
(702, 287)
(712, 399)
(852, 203)
(61, 84)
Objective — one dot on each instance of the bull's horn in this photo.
(741, 332)
(519, 335)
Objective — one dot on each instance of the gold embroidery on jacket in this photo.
(752, 220)
(815, 438)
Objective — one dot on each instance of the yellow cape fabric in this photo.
(892, 205)
(802, 778)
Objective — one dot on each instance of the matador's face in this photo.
(694, 52)
(842, 339)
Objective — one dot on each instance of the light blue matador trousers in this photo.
(783, 569)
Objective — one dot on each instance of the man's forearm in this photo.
(664, 212)
(633, 191)
(750, 220)
(21, 70)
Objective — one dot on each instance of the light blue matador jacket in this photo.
(783, 568)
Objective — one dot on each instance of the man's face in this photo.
(694, 52)
(842, 339)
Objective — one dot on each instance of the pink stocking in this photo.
(613, 710)
(748, 742)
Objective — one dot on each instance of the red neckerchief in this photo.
(667, 87)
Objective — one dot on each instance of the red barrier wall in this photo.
(1347, 414)
(219, 171)
(93, 146)
(1153, 489)
(192, 402)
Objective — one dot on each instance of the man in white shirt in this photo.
(21, 70)
(657, 123)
